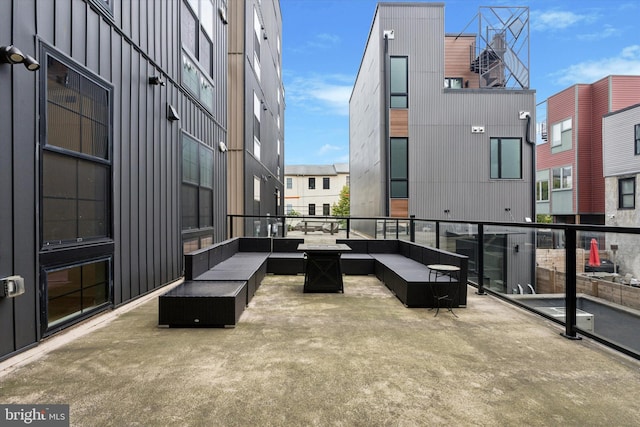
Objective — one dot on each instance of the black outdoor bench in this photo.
(285, 257)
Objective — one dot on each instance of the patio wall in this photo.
(552, 281)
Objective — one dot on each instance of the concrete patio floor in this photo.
(354, 359)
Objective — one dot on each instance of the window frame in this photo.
(45, 146)
(393, 177)
(500, 161)
(326, 183)
(449, 80)
(636, 129)
(312, 183)
(326, 209)
(312, 209)
(560, 128)
(540, 190)
(289, 183)
(621, 203)
(399, 94)
(202, 230)
(562, 179)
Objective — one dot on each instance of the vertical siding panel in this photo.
(78, 31)
(24, 180)
(92, 43)
(126, 166)
(44, 20)
(150, 146)
(116, 65)
(7, 330)
(105, 61)
(141, 170)
(62, 26)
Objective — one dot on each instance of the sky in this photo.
(571, 41)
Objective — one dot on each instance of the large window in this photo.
(399, 81)
(453, 82)
(506, 158)
(325, 183)
(627, 193)
(197, 31)
(312, 183)
(312, 209)
(76, 191)
(399, 168)
(637, 139)
(197, 189)
(326, 209)
(561, 134)
(257, 37)
(562, 178)
(76, 159)
(257, 112)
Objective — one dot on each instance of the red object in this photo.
(594, 256)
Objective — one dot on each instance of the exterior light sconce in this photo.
(222, 11)
(156, 81)
(172, 114)
(222, 146)
(12, 55)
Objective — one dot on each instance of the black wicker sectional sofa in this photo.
(220, 280)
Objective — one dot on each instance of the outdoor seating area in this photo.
(220, 280)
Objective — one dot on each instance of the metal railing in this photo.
(544, 268)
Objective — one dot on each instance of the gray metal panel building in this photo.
(448, 165)
(112, 48)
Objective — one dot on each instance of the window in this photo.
(76, 157)
(347, 178)
(197, 185)
(506, 158)
(399, 81)
(257, 111)
(637, 144)
(289, 183)
(312, 183)
(312, 209)
(196, 30)
(326, 209)
(76, 190)
(627, 193)
(453, 82)
(562, 178)
(289, 209)
(257, 37)
(399, 168)
(542, 190)
(74, 290)
(561, 134)
(256, 189)
(325, 183)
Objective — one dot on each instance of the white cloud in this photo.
(328, 148)
(551, 20)
(606, 32)
(323, 94)
(625, 63)
(318, 41)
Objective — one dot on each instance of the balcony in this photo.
(358, 358)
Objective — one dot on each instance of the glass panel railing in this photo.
(425, 232)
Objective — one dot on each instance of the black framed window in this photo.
(257, 38)
(325, 183)
(506, 158)
(399, 81)
(326, 209)
(197, 191)
(637, 139)
(627, 193)
(399, 168)
(74, 290)
(453, 83)
(289, 183)
(76, 200)
(312, 209)
(197, 31)
(312, 183)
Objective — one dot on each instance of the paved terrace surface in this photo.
(354, 359)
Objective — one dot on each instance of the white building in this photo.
(621, 166)
(314, 189)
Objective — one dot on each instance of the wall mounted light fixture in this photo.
(156, 81)
(12, 55)
(172, 114)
